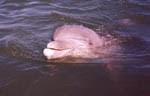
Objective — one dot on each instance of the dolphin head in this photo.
(71, 48)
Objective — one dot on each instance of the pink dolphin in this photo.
(75, 41)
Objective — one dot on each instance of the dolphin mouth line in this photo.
(56, 49)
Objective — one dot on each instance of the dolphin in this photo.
(74, 41)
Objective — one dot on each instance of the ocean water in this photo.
(26, 26)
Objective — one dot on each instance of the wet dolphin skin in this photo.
(74, 41)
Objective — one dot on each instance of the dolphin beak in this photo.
(53, 46)
(48, 52)
(51, 53)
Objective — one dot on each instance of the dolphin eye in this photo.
(90, 43)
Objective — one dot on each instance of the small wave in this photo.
(14, 46)
(75, 8)
(144, 3)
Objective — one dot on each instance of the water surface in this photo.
(26, 26)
